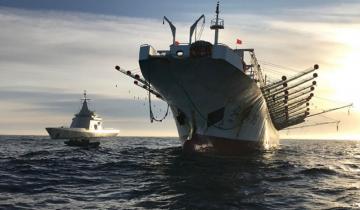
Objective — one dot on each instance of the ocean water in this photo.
(153, 173)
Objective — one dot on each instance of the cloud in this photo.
(49, 48)
(48, 58)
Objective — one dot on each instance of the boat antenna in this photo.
(217, 24)
(172, 27)
(85, 98)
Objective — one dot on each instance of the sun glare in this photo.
(345, 78)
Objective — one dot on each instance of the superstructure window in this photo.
(95, 127)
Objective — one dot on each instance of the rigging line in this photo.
(162, 118)
(330, 110)
(196, 33)
(152, 113)
(329, 118)
(266, 69)
(289, 73)
(280, 66)
(277, 69)
(312, 125)
(201, 30)
(272, 75)
(152, 118)
(270, 79)
(272, 69)
(323, 116)
(330, 100)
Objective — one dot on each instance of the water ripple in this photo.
(153, 173)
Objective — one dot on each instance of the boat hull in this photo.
(214, 103)
(87, 143)
(219, 145)
(74, 133)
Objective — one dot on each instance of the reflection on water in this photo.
(153, 173)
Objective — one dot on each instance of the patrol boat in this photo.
(85, 126)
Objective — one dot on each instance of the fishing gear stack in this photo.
(288, 99)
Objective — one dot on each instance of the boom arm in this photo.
(173, 29)
(192, 28)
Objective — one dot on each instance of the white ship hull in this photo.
(215, 105)
(76, 133)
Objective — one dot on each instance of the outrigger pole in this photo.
(143, 84)
(330, 110)
(147, 88)
(134, 76)
(312, 125)
(323, 123)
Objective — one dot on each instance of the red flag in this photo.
(238, 41)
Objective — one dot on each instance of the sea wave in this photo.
(141, 173)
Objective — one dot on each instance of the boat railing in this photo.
(219, 23)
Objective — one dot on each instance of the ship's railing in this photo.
(218, 24)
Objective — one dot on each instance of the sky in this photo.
(51, 51)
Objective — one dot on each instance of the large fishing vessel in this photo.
(218, 96)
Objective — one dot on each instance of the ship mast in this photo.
(85, 99)
(84, 102)
(217, 24)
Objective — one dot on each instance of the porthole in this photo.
(179, 53)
